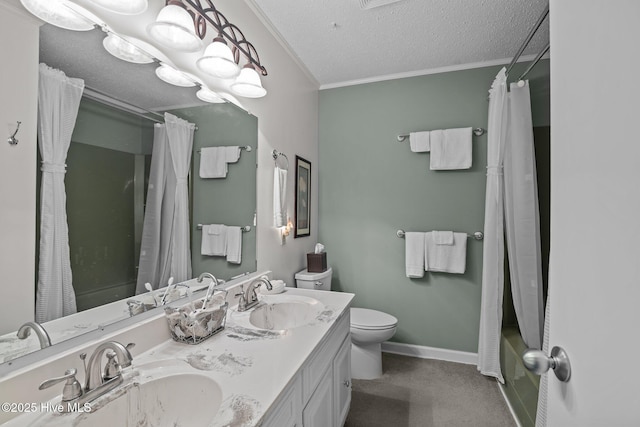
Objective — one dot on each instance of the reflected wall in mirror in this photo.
(108, 167)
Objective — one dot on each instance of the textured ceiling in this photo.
(339, 42)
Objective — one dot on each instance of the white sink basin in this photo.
(165, 393)
(281, 312)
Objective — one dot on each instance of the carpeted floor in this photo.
(424, 393)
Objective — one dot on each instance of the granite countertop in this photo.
(252, 366)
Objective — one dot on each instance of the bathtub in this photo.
(521, 386)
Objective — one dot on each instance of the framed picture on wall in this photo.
(303, 197)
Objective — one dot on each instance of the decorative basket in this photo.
(191, 324)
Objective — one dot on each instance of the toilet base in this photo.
(366, 361)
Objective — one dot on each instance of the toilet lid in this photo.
(365, 318)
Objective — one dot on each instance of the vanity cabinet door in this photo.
(342, 382)
(319, 409)
(286, 412)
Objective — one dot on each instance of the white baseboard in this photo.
(424, 352)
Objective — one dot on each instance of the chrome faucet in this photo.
(43, 336)
(94, 376)
(248, 297)
(214, 284)
(96, 384)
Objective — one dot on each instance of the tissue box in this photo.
(316, 263)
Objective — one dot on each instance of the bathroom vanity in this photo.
(295, 374)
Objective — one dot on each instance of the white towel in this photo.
(234, 245)
(279, 197)
(213, 162)
(214, 240)
(232, 153)
(414, 254)
(446, 258)
(451, 149)
(420, 142)
(443, 237)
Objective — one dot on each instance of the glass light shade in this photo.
(58, 13)
(248, 83)
(172, 76)
(123, 49)
(174, 28)
(207, 95)
(123, 7)
(218, 60)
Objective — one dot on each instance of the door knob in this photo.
(539, 363)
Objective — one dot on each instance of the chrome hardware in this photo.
(347, 383)
(163, 301)
(212, 287)
(12, 139)
(317, 284)
(248, 297)
(72, 388)
(43, 336)
(539, 363)
(94, 378)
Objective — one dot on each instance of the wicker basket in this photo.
(191, 324)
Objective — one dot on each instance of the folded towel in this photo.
(232, 153)
(279, 197)
(443, 237)
(451, 149)
(420, 142)
(234, 245)
(414, 257)
(446, 258)
(214, 244)
(213, 162)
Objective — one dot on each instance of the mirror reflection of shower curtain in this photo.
(155, 250)
(58, 103)
(522, 217)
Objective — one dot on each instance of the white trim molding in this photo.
(424, 352)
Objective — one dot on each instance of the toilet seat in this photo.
(367, 319)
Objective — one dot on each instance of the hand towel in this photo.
(213, 162)
(446, 258)
(279, 197)
(443, 237)
(214, 240)
(420, 142)
(451, 149)
(414, 257)
(234, 245)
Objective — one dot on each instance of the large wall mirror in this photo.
(108, 168)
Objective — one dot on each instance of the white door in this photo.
(594, 276)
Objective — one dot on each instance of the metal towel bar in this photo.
(478, 235)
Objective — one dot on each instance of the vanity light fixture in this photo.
(218, 60)
(170, 75)
(207, 95)
(248, 83)
(123, 7)
(121, 48)
(174, 28)
(60, 13)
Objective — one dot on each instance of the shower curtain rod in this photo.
(542, 17)
(535, 61)
(110, 101)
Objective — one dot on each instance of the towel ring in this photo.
(276, 155)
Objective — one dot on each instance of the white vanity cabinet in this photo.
(322, 386)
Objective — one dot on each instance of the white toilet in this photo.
(369, 329)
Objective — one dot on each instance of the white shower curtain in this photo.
(155, 249)
(58, 103)
(180, 134)
(522, 217)
(493, 260)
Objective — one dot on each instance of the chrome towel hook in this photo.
(12, 139)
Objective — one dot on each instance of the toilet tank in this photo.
(318, 281)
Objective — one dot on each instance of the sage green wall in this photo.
(370, 185)
(229, 201)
